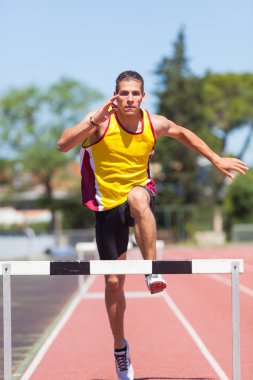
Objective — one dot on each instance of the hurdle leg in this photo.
(7, 321)
(236, 319)
(81, 276)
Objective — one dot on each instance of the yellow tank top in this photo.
(116, 163)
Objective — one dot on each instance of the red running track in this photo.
(161, 346)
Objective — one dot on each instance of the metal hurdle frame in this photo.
(97, 267)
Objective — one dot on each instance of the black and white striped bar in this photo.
(121, 267)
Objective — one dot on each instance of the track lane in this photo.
(212, 295)
(162, 352)
(160, 348)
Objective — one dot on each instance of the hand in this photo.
(225, 164)
(103, 113)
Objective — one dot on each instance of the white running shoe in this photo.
(155, 283)
(123, 364)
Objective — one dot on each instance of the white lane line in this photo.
(41, 353)
(195, 337)
(101, 295)
(226, 281)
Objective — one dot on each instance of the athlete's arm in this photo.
(88, 126)
(164, 127)
(74, 135)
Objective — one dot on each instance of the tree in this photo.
(6, 172)
(212, 106)
(180, 99)
(238, 200)
(32, 120)
(227, 106)
(228, 102)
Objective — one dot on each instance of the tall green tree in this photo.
(212, 106)
(180, 99)
(32, 120)
(228, 100)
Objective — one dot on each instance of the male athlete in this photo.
(117, 144)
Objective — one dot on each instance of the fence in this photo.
(24, 247)
(28, 245)
(242, 233)
(7, 269)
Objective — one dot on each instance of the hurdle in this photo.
(96, 267)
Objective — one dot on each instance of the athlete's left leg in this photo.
(144, 221)
(145, 233)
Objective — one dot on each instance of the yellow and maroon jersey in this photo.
(116, 163)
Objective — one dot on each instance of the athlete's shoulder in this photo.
(160, 124)
(158, 119)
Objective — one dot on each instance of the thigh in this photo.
(151, 197)
(111, 234)
(124, 209)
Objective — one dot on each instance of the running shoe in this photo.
(123, 364)
(155, 283)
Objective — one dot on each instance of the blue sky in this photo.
(93, 41)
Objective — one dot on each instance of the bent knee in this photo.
(138, 200)
(138, 197)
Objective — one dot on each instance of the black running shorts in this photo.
(112, 229)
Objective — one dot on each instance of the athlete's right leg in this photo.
(112, 241)
(116, 305)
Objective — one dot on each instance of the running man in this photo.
(117, 144)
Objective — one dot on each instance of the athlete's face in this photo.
(130, 96)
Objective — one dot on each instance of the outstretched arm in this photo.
(88, 126)
(165, 127)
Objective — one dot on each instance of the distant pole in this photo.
(57, 227)
(217, 220)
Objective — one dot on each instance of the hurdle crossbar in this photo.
(81, 267)
(105, 267)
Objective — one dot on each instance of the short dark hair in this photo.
(129, 75)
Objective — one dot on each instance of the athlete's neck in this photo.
(131, 122)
